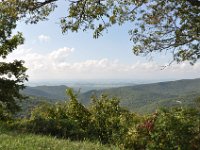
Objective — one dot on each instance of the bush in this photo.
(108, 118)
(167, 129)
(67, 120)
(107, 122)
(4, 114)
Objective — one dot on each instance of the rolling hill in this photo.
(141, 98)
(148, 97)
(49, 92)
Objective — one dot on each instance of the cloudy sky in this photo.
(50, 55)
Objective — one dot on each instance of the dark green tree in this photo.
(12, 74)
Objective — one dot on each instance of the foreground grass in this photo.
(17, 141)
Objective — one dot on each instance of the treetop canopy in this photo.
(157, 25)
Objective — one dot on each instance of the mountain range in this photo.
(140, 98)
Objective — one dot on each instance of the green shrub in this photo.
(106, 121)
(167, 129)
(67, 120)
(4, 114)
(79, 114)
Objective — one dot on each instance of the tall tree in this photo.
(12, 74)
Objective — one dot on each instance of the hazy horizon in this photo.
(103, 82)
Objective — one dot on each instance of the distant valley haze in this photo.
(100, 82)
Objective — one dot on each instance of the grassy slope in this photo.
(15, 141)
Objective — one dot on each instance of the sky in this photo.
(50, 55)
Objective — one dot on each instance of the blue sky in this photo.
(50, 55)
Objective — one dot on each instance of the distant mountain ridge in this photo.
(140, 98)
(49, 92)
(148, 97)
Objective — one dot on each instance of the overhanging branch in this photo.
(194, 2)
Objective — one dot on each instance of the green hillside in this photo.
(140, 98)
(31, 102)
(50, 92)
(147, 97)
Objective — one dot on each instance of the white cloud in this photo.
(43, 38)
(60, 54)
(56, 65)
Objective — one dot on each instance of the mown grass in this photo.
(12, 140)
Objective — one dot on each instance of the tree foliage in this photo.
(157, 25)
(12, 74)
(107, 118)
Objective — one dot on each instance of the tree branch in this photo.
(194, 2)
(41, 4)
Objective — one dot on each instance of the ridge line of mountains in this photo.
(141, 98)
